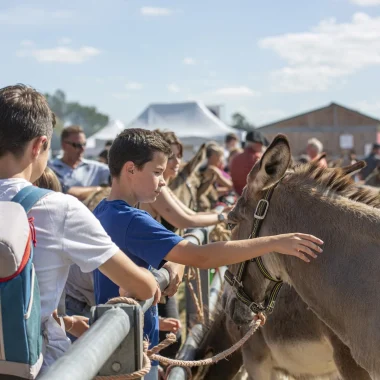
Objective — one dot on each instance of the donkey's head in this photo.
(185, 185)
(264, 174)
(282, 214)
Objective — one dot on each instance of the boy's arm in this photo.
(231, 252)
(121, 270)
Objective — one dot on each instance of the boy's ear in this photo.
(129, 167)
(39, 145)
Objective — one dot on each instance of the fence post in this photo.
(84, 358)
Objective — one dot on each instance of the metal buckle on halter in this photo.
(256, 308)
(235, 282)
(261, 217)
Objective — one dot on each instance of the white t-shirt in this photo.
(67, 233)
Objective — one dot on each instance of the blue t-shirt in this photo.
(144, 240)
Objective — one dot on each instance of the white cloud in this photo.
(64, 41)
(173, 88)
(134, 86)
(60, 54)
(189, 61)
(25, 15)
(317, 59)
(153, 11)
(236, 91)
(366, 3)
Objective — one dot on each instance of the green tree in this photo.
(74, 113)
(239, 121)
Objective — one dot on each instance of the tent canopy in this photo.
(192, 122)
(95, 143)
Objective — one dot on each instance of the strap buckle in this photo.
(236, 283)
(266, 208)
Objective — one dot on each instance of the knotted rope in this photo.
(194, 274)
(170, 338)
(214, 359)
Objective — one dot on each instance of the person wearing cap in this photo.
(372, 161)
(242, 164)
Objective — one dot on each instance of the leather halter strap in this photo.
(236, 281)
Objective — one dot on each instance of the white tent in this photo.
(192, 122)
(95, 143)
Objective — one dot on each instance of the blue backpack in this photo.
(20, 307)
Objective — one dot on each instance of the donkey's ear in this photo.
(197, 159)
(273, 164)
(354, 168)
(320, 157)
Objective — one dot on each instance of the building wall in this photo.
(327, 124)
(330, 140)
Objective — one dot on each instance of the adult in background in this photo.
(79, 177)
(372, 161)
(231, 146)
(242, 164)
(103, 155)
(314, 149)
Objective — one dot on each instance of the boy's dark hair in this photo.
(68, 131)
(24, 115)
(231, 137)
(136, 145)
(171, 138)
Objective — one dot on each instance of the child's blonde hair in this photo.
(48, 180)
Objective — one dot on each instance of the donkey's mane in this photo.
(335, 181)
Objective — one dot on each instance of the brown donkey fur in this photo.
(292, 341)
(340, 286)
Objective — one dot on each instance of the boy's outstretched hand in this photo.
(297, 244)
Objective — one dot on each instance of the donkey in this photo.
(214, 342)
(187, 184)
(340, 283)
(300, 349)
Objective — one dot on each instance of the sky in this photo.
(266, 59)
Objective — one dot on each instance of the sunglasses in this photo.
(75, 145)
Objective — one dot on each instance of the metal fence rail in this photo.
(107, 346)
(85, 358)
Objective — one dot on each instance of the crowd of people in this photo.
(84, 258)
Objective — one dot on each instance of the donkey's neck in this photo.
(340, 286)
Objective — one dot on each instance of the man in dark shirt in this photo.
(372, 161)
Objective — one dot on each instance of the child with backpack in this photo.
(35, 260)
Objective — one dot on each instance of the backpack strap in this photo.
(29, 196)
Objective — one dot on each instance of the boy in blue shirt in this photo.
(137, 160)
